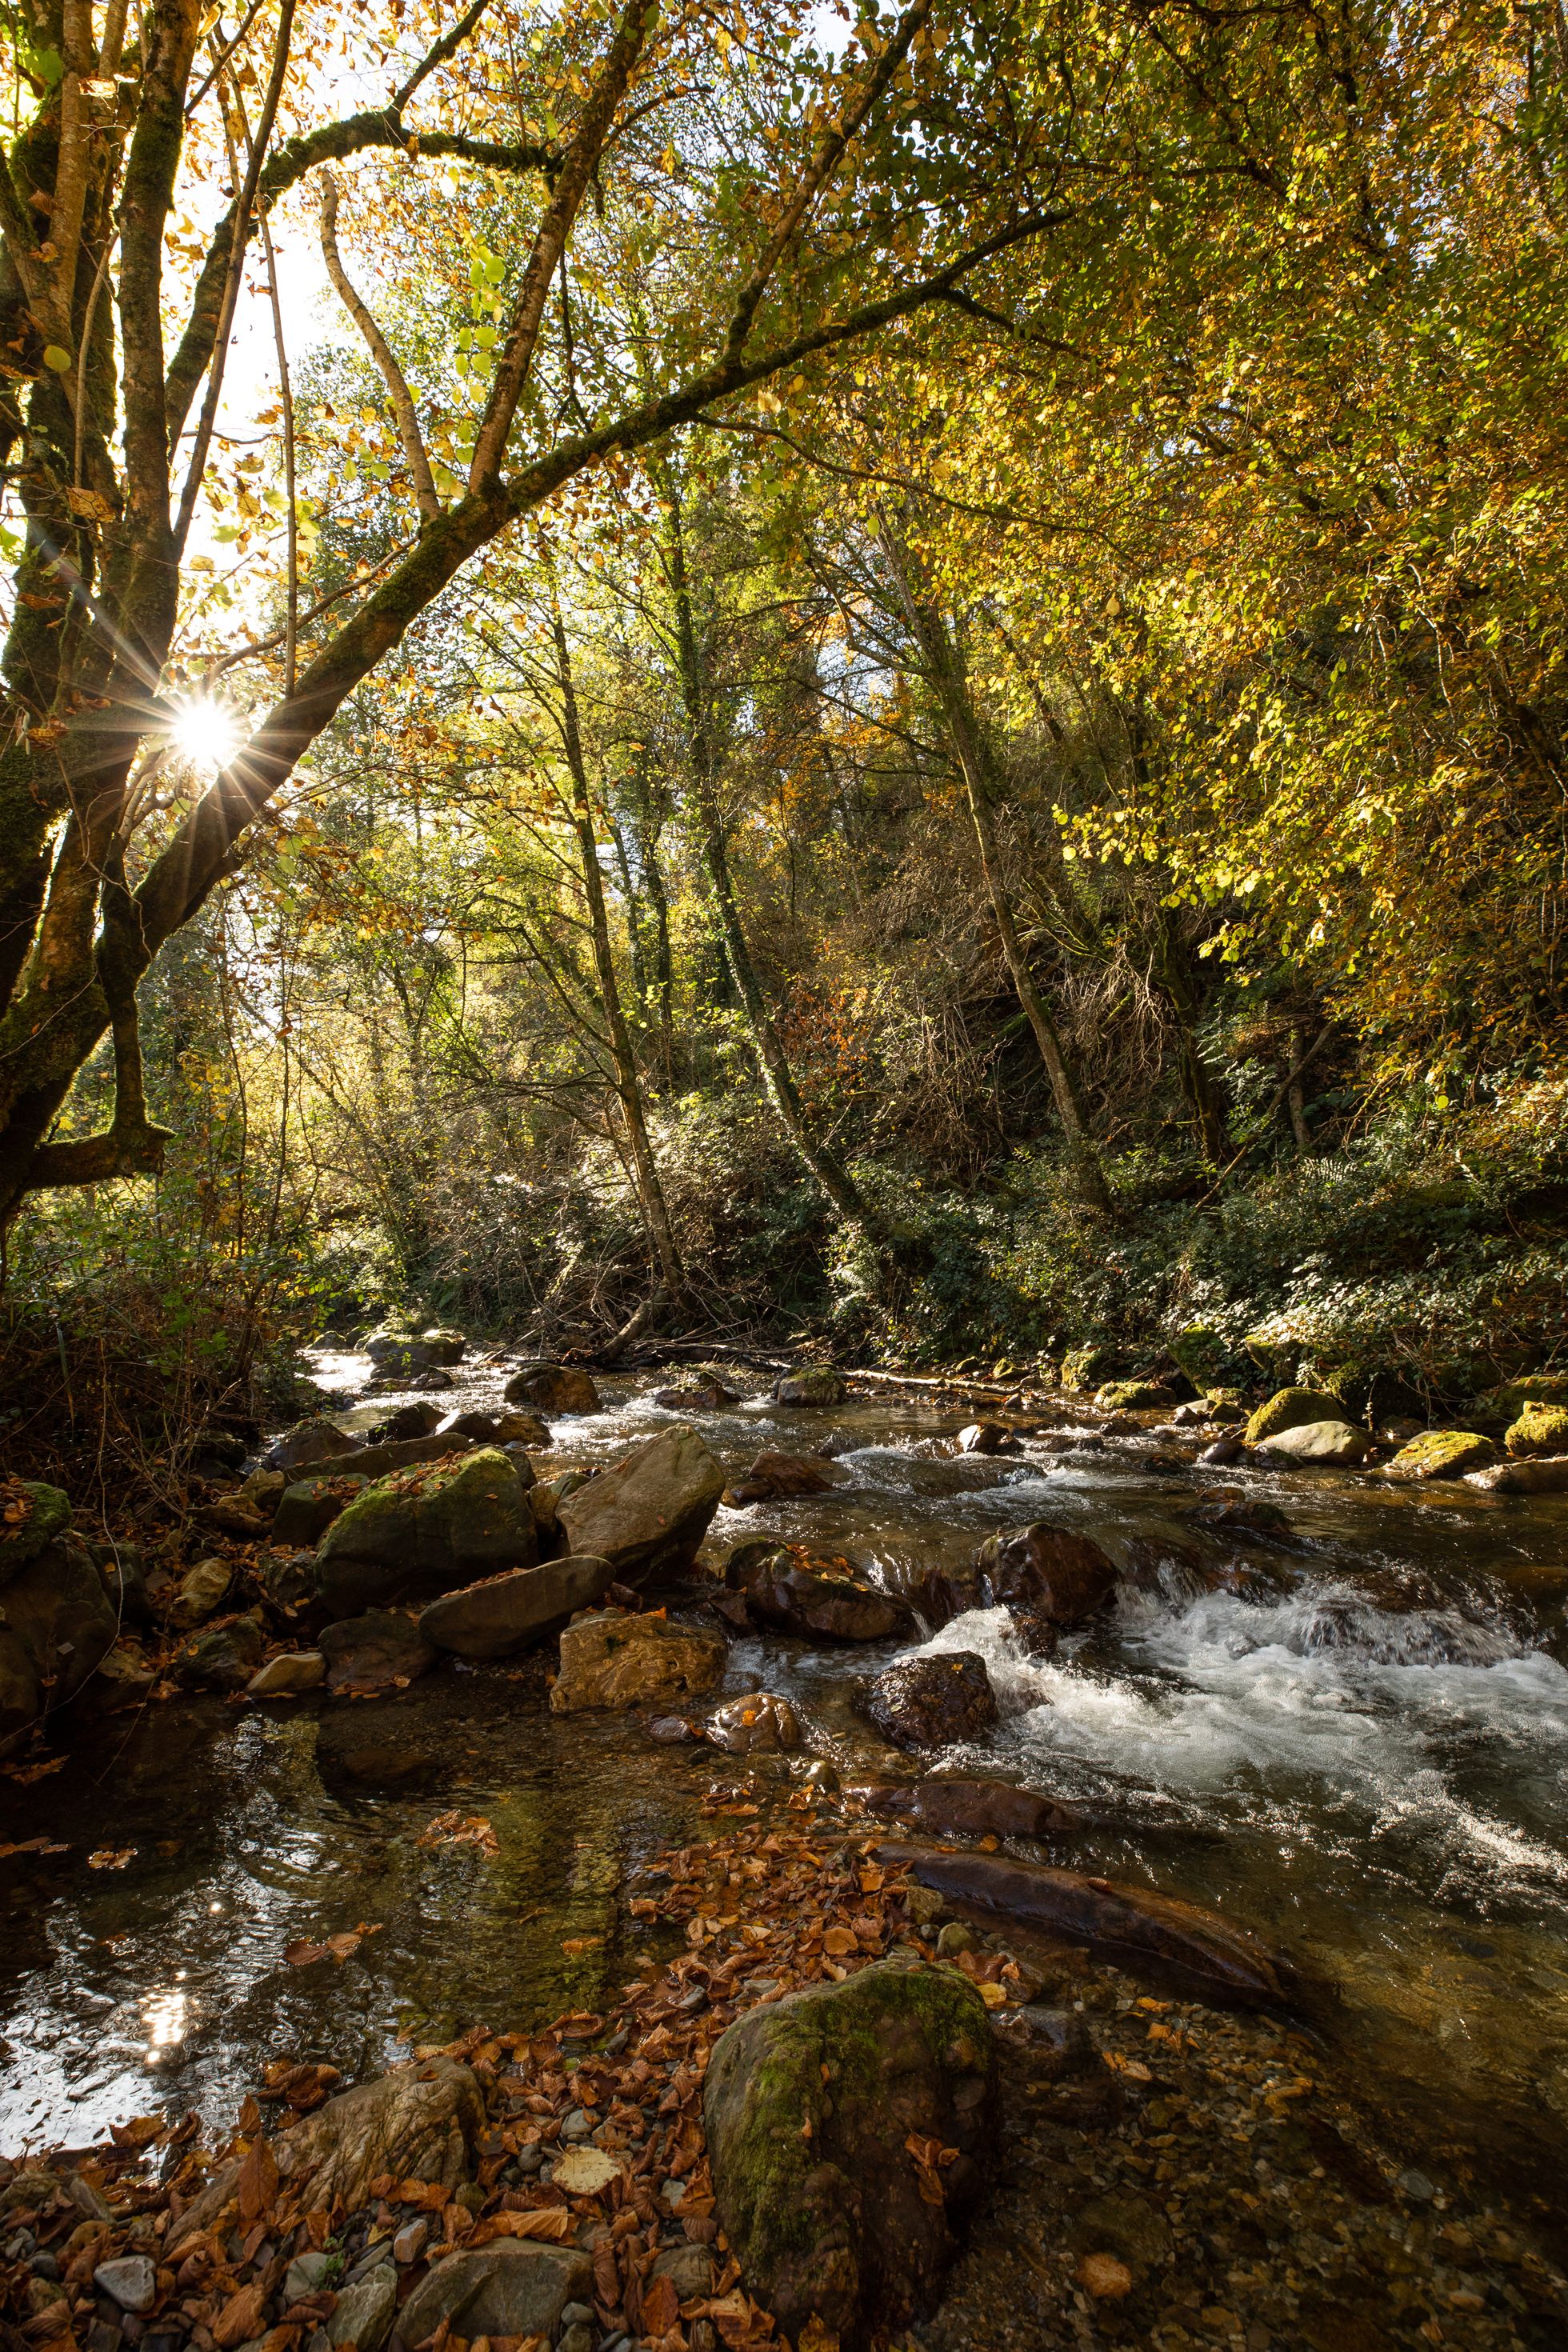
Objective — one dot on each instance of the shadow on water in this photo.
(1358, 1751)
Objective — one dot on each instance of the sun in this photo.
(206, 734)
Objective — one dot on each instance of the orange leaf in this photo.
(258, 2184)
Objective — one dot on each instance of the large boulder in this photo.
(1133, 1396)
(427, 1530)
(519, 1605)
(516, 2289)
(933, 1701)
(317, 1440)
(1289, 1409)
(57, 1620)
(1546, 1477)
(846, 2127)
(402, 1453)
(553, 1388)
(776, 1477)
(615, 1660)
(1540, 1429)
(397, 1353)
(1443, 1454)
(1086, 1367)
(1040, 1573)
(307, 1508)
(648, 1514)
(1331, 1443)
(382, 1651)
(1506, 1403)
(818, 1600)
(816, 1384)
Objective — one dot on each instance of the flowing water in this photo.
(1359, 1752)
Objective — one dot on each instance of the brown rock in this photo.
(756, 1721)
(612, 1660)
(971, 1807)
(648, 1514)
(818, 1600)
(1042, 1571)
(553, 1388)
(773, 1477)
(932, 1701)
(989, 1437)
(382, 1651)
(491, 1619)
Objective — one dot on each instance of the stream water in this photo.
(1359, 1753)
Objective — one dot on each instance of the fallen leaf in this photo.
(462, 1829)
(240, 2318)
(660, 2307)
(257, 2183)
(1104, 2277)
(555, 2223)
(838, 1940)
(38, 1845)
(111, 1857)
(574, 1945)
(583, 2171)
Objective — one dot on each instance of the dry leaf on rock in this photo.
(554, 2223)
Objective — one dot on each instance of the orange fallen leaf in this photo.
(556, 2223)
(35, 1845)
(111, 1857)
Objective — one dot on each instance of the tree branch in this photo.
(381, 351)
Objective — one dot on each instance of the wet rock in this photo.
(1042, 1569)
(491, 1619)
(1443, 1454)
(1223, 1452)
(611, 1660)
(202, 1591)
(123, 1677)
(287, 1676)
(1132, 1396)
(773, 1477)
(1227, 1511)
(760, 1721)
(416, 2123)
(515, 2288)
(1125, 2227)
(410, 1420)
(932, 1702)
(553, 1388)
(401, 1352)
(287, 1578)
(1333, 1444)
(224, 1658)
(1131, 1926)
(648, 1514)
(989, 1437)
(674, 1730)
(383, 1650)
(704, 1394)
(1506, 1402)
(306, 1509)
(433, 1382)
(1085, 1367)
(1547, 1477)
(1291, 1409)
(364, 2311)
(971, 1807)
(814, 1384)
(427, 1530)
(819, 1600)
(316, 1440)
(1540, 1429)
(838, 2224)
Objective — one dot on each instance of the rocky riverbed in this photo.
(1339, 1728)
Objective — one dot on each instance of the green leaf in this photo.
(57, 357)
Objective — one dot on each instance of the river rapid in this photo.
(1359, 1752)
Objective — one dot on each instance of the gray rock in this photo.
(284, 1677)
(306, 2272)
(818, 1384)
(1331, 1443)
(649, 1514)
(521, 1604)
(131, 2281)
(307, 1508)
(427, 1530)
(516, 2287)
(402, 1454)
(317, 1440)
(576, 2338)
(364, 2311)
(690, 2270)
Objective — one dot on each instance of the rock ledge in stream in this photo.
(932, 1701)
(1133, 1928)
(522, 1604)
(649, 1513)
(1042, 1571)
(815, 2106)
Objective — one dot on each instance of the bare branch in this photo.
(381, 351)
(446, 47)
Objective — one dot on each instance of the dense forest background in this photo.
(1040, 821)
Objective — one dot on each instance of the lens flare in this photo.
(206, 734)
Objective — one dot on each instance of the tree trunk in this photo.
(628, 1084)
(1197, 1082)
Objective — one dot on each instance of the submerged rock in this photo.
(1291, 1409)
(553, 1388)
(818, 2109)
(814, 1384)
(1229, 1511)
(971, 1807)
(1443, 1454)
(1331, 1443)
(427, 1530)
(381, 1651)
(932, 1701)
(612, 1659)
(516, 2288)
(491, 1619)
(648, 1514)
(1132, 1926)
(818, 1600)
(756, 1722)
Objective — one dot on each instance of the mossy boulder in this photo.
(1291, 1409)
(1133, 1396)
(1506, 1402)
(427, 1530)
(816, 1384)
(1085, 1367)
(553, 1388)
(307, 1508)
(1540, 1429)
(223, 1657)
(813, 2106)
(397, 1353)
(1443, 1454)
(31, 1516)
